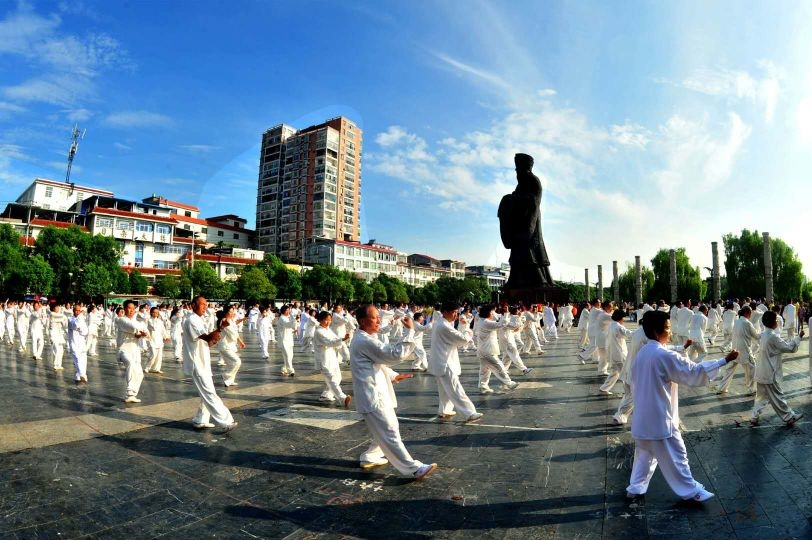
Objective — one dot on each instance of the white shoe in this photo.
(474, 417)
(131, 399)
(512, 385)
(485, 390)
(701, 496)
(424, 471)
(203, 425)
(794, 418)
(376, 463)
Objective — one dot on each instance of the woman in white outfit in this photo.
(327, 345)
(229, 345)
(57, 326)
(286, 324)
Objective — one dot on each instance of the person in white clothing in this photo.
(308, 332)
(176, 332)
(507, 340)
(769, 374)
(728, 320)
(745, 339)
(94, 321)
(531, 320)
(286, 324)
(77, 342)
(264, 331)
(583, 327)
(550, 328)
(421, 362)
(488, 351)
(593, 329)
(229, 345)
(656, 374)
(616, 350)
(326, 346)
(57, 326)
(791, 319)
(696, 333)
(602, 320)
(158, 335)
(375, 399)
(197, 362)
(253, 318)
(339, 327)
(37, 330)
(444, 364)
(129, 331)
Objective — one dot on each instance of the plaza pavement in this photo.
(543, 463)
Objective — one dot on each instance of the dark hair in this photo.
(362, 312)
(485, 311)
(129, 303)
(618, 315)
(745, 310)
(654, 323)
(449, 306)
(323, 315)
(769, 319)
(606, 304)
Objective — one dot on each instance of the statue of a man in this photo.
(520, 226)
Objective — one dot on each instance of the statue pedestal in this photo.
(555, 295)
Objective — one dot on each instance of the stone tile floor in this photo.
(544, 463)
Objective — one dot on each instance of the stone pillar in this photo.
(586, 284)
(600, 283)
(638, 282)
(672, 257)
(717, 278)
(615, 282)
(768, 268)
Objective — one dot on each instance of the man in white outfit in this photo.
(197, 363)
(656, 374)
(129, 331)
(37, 329)
(444, 364)
(374, 396)
(791, 319)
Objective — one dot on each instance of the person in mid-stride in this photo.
(769, 373)
(656, 374)
(372, 380)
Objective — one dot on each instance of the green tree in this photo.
(204, 280)
(138, 283)
(288, 283)
(327, 282)
(94, 280)
(627, 283)
(429, 294)
(362, 291)
(689, 283)
(744, 266)
(378, 292)
(254, 286)
(395, 288)
(168, 286)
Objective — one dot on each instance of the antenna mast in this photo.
(76, 136)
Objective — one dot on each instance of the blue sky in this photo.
(653, 124)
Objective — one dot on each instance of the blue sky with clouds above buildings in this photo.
(653, 125)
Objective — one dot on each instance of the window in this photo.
(124, 225)
(187, 213)
(236, 236)
(49, 192)
(204, 230)
(220, 233)
(104, 222)
(143, 227)
(163, 228)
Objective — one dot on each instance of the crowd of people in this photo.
(670, 347)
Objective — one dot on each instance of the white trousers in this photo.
(626, 405)
(589, 352)
(92, 340)
(511, 355)
(453, 396)
(614, 375)
(747, 365)
(79, 363)
(491, 364)
(531, 341)
(131, 355)
(386, 442)
(673, 460)
(57, 349)
(263, 345)
(332, 383)
(177, 346)
(584, 340)
(771, 394)
(287, 358)
(156, 358)
(37, 344)
(602, 356)
(552, 331)
(698, 349)
(420, 360)
(211, 406)
(233, 364)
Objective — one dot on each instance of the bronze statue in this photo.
(520, 226)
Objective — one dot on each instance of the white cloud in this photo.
(696, 158)
(56, 89)
(13, 151)
(123, 147)
(133, 119)
(198, 148)
(79, 115)
(631, 135)
(763, 91)
(477, 73)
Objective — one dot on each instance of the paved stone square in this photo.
(544, 462)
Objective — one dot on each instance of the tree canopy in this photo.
(744, 266)
(627, 284)
(689, 282)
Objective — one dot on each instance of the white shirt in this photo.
(371, 375)
(444, 357)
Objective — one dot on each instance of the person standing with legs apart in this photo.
(326, 346)
(488, 351)
(656, 374)
(38, 315)
(616, 350)
(287, 326)
(745, 338)
(158, 335)
(444, 364)
(375, 399)
(129, 330)
(229, 345)
(769, 374)
(197, 363)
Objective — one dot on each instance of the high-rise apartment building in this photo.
(309, 187)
